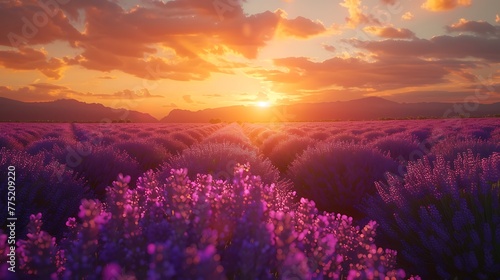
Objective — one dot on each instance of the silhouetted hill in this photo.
(370, 108)
(66, 110)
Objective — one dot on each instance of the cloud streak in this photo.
(390, 32)
(439, 47)
(50, 92)
(301, 74)
(445, 5)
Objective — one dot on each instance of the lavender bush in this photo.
(97, 165)
(125, 136)
(183, 229)
(183, 137)
(270, 143)
(337, 175)
(38, 255)
(173, 146)
(335, 131)
(24, 137)
(149, 155)
(394, 130)
(450, 147)
(402, 148)
(319, 135)
(46, 144)
(345, 137)
(495, 135)
(372, 135)
(219, 159)
(482, 133)
(296, 131)
(285, 152)
(9, 142)
(444, 218)
(197, 134)
(230, 134)
(48, 188)
(253, 131)
(421, 134)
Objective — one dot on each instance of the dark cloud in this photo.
(476, 27)
(442, 96)
(458, 47)
(30, 22)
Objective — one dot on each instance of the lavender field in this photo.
(415, 199)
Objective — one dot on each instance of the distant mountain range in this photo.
(370, 108)
(66, 110)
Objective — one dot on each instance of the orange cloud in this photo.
(390, 32)
(356, 15)
(151, 68)
(407, 16)
(129, 40)
(301, 27)
(301, 75)
(444, 5)
(38, 92)
(31, 59)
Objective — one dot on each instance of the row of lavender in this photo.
(333, 164)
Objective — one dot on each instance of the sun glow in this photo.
(263, 104)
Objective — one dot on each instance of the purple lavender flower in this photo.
(441, 216)
(337, 175)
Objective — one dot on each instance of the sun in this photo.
(263, 104)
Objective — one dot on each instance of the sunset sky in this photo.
(155, 56)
